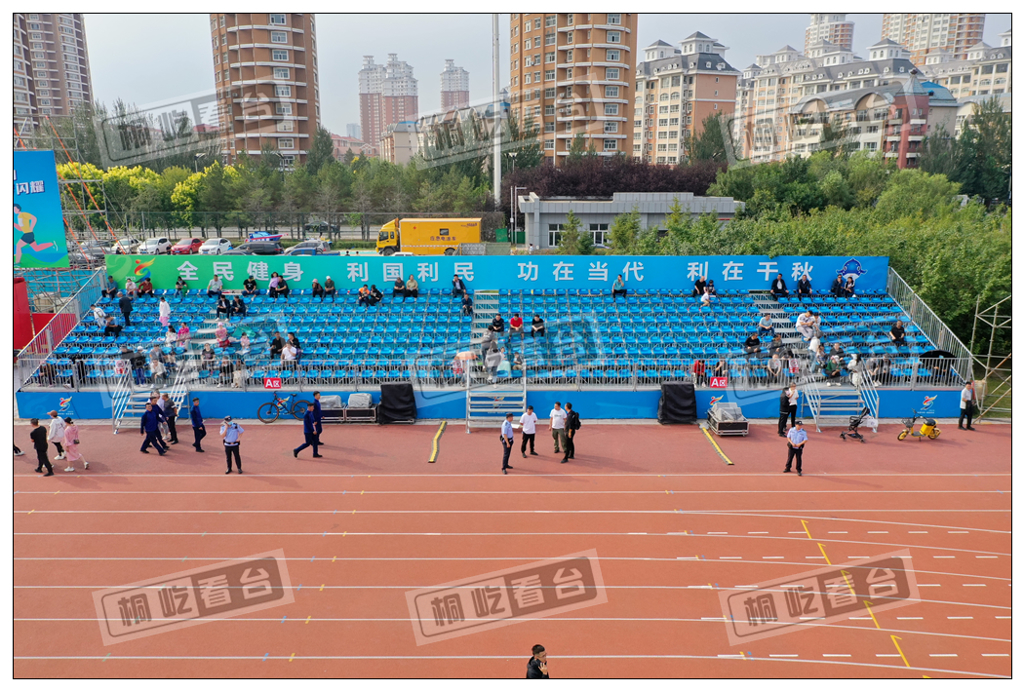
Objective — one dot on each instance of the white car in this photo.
(155, 246)
(215, 246)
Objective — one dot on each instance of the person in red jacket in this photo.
(516, 325)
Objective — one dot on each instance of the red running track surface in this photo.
(671, 522)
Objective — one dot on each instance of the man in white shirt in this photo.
(968, 400)
(805, 325)
(529, 423)
(56, 433)
(506, 443)
(288, 356)
(215, 287)
(556, 424)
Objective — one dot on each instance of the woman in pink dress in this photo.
(72, 446)
(184, 335)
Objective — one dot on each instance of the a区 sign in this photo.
(719, 382)
(272, 382)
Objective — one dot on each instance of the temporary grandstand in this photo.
(611, 353)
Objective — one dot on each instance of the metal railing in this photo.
(33, 355)
(931, 326)
(120, 397)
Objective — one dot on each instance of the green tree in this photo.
(577, 149)
(214, 199)
(709, 145)
(911, 192)
(985, 155)
(624, 231)
(321, 151)
(574, 240)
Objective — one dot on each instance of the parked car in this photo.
(235, 252)
(308, 245)
(320, 227)
(187, 246)
(310, 251)
(215, 246)
(126, 245)
(156, 246)
(97, 250)
(260, 247)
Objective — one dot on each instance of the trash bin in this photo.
(501, 234)
(520, 237)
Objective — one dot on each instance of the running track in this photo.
(671, 522)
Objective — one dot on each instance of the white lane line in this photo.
(689, 558)
(713, 619)
(858, 557)
(1005, 617)
(860, 618)
(945, 556)
(878, 532)
(927, 585)
(730, 655)
(958, 532)
(814, 557)
(837, 532)
(985, 556)
(758, 532)
(917, 532)
(910, 617)
(886, 655)
(773, 557)
(730, 557)
(834, 655)
(636, 533)
(974, 585)
(787, 655)
(701, 587)
(718, 533)
(959, 617)
(797, 532)
(995, 654)
(744, 586)
(942, 655)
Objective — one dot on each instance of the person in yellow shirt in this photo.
(26, 223)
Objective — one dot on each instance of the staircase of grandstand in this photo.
(592, 340)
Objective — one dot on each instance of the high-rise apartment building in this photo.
(354, 131)
(986, 71)
(387, 95)
(829, 27)
(924, 33)
(572, 74)
(51, 67)
(454, 86)
(267, 83)
(677, 88)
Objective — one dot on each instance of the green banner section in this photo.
(199, 270)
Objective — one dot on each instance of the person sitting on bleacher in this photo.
(130, 289)
(223, 306)
(226, 371)
(805, 325)
(848, 289)
(221, 333)
(275, 284)
(711, 288)
(244, 344)
(777, 347)
(112, 327)
(837, 349)
(897, 334)
(412, 287)
(364, 296)
(180, 288)
(375, 295)
(515, 325)
(329, 288)
(698, 287)
(536, 327)
(803, 287)
(99, 315)
(619, 287)
(458, 287)
(706, 298)
(720, 369)
(467, 305)
(833, 371)
(282, 288)
(146, 288)
(765, 328)
(110, 290)
(856, 369)
(779, 289)
(698, 370)
(399, 289)
(497, 324)
(294, 343)
(184, 335)
(820, 359)
(171, 337)
(215, 287)
(775, 368)
(837, 287)
(276, 344)
(238, 306)
(318, 290)
(752, 345)
(793, 363)
(249, 286)
(289, 356)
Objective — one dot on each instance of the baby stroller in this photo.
(863, 418)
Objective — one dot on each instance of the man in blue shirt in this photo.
(318, 416)
(231, 432)
(198, 427)
(309, 430)
(795, 439)
(506, 442)
(150, 427)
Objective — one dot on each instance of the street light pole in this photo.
(512, 201)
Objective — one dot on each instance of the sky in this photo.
(171, 54)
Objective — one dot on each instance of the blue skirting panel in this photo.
(593, 405)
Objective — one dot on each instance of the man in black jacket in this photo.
(698, 287)
(785, 410)
(458, 287)
(537, 667)
(572, 425)
(38, 436)
(125, 303)
(150, 427)
(779, 288)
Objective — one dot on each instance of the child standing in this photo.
(72, 444)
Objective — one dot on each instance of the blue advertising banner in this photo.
(39, 239)
(596, 272)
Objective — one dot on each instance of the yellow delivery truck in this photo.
(427, 235)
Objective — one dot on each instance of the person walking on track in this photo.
(309, 430)
(171, 413)
(796, 439)
(572, 425)
(198, 428)
(556, 424)
(318, 415)
(232, 432)
(73, 452)
(529, 425)
(56, 434)
(150, 427)
(537, 667)
(507, 434)
(38, 436)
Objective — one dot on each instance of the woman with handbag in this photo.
(72, 446)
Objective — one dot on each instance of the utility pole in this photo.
(496, 113)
